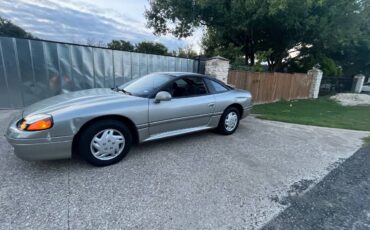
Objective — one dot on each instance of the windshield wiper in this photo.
(121, 90)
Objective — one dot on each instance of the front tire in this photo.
(105, 142)
(229, 121)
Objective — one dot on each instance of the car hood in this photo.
(77, 99)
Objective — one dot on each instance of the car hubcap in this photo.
(107, 144)
(231, 121)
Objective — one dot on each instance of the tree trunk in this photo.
(246, 49)
(278, 64)
(251, 48)
(252, 58)
(270, 63)
(246, 58)
(249, 54)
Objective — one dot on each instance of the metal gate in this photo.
(332, 85)
(31, 70)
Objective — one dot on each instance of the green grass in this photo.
(366, 141)
(319, 112)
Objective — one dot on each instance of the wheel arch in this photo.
(130, 124)
(239, 107)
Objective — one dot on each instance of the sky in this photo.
(79, 21)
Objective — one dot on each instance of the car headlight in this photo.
(36, 122)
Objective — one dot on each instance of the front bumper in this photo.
(29, 146)
(246, 111)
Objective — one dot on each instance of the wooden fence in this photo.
(271, 87)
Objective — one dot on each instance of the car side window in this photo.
(187, 87)
(217, 87)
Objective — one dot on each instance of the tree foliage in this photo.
(121, 45)
(141, 47)
(247, 24)
(151, 48)
(327, 65)
(186, 52)
(320, 30)
(7, 28)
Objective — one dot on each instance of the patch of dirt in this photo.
(352, 99)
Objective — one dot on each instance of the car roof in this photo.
(180, 74)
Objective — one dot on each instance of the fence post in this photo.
(316, 75)
(218, 67)
(358, 82)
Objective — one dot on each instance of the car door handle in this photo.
(211, 105)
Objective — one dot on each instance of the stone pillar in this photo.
(316, 75)
(358, 82)
(218, 67)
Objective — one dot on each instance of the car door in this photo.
(191, 106)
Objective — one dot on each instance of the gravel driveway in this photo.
(199, 181)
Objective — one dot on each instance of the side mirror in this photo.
(162, 96)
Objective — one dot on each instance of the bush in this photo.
(328, 65)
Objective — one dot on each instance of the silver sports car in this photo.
(102, 124)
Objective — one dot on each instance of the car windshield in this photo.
(144, 86)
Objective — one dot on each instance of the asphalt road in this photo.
(340, 201)
(199, 181)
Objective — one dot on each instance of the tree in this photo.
(141, 47)
(339, 37)
(248, 24)
(304, 63)
(337, 29)
(213, 44)
(186, 52)
(151, 48)
(7, 28)
(121, 45)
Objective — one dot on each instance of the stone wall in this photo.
(358, 82)
(316, 75)
(218, 67)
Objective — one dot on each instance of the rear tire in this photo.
(229, 121)
(105, 142)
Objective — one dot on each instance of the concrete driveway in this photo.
(199, 181)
